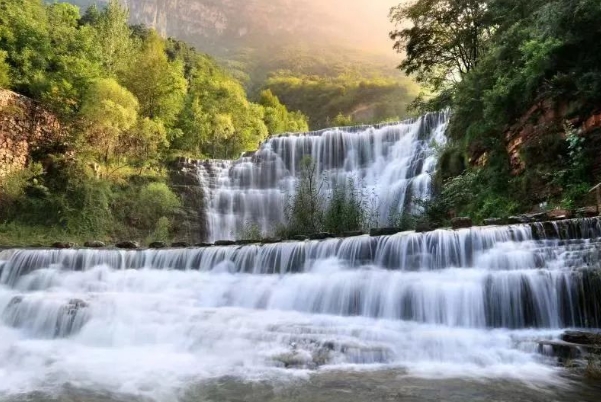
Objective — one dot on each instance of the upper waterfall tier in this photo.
(389, 163)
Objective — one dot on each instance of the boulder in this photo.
(62, 245)
(582, 338)
(494, 222)
(421, 227)
(94, 244)
(157, 244)
(270, 241)
(180, 244)
(517, 219)
(321, 236)
(384, 231)
(246, 242)
(225, 243)
(587, 212)
(203, 245)
(461, 223)
(299, 238)
(128, 245)
(559, 214)
(354, 233)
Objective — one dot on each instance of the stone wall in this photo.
(24, 128)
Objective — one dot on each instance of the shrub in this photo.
(346, 210)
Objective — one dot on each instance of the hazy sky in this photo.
(366, 20)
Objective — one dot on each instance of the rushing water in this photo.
(390, 163)
(464, 305)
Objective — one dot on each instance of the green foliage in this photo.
(162, 231)
(113, 36)
(305, 210)
(159, 84)
(346, 210)
(445, 39)
(322, 99)
(4, 77)
(153, 202)
(251, 231)
(278, 119)
(501, 62)
(110, 110)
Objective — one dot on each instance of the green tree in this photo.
(277, 118)
(4, 71)
(305, 210)
(445, 39)
(109, 110)
(158, 84)
(114, 37)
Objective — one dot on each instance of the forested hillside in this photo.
(322, 56)
(523, 80)
(127, 101)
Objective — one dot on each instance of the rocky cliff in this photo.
(221, 27)
(25, 128)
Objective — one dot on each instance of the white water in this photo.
(389, 163)
(469, 303)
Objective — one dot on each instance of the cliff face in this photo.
(544, 119)
(220, 27)
(25, 127)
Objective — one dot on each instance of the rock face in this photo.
(582, 338)
(129, 245)
(225, 243)
(25, 128)
(383, 231)
(191, 221)
(461, 223)
(225, 26)
(94, 244)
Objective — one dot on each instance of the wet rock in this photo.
(129, 245)
(203, 245)
(246, 242)
(494, 222)
(75, 304)
(270, 241)
(62, 245)
(157, 244)
(587, 212)
(517, 219)
(582, 338)
(559, 349)
(461, 223)
(384, 231)
(354, 233)
(225, 243)
(299, 238)
(421, 227)
(94, 244)
(180, 244)
(321, 236)
(558, 214)
(14, 301)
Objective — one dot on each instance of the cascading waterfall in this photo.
(470, 301)
(390, 163)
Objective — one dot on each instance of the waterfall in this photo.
(466, 301)
(390, 163)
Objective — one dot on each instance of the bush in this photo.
(345, 211)
(142, 208)
(305, 209)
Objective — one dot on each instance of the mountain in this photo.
(222, 27)
(338, 44)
